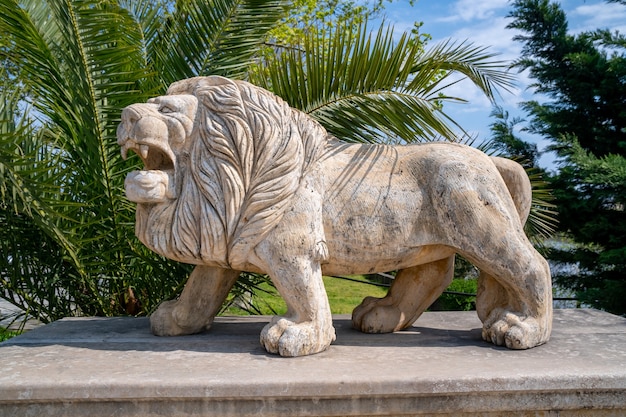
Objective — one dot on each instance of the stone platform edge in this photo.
(440, 367)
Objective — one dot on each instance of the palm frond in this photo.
(442, 62)
(543, 219)
(372, 87)
(29, 171)
(80, 65)
(218, 37)
(384, 117)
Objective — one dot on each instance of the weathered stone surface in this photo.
(236, 180)
(115, 367)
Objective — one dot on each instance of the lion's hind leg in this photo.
(516, 314)
(483, 223)
(200, 301)
(514, 299)
(412, 292)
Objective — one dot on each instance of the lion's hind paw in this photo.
(377, 315)
(504, 328)
(288, 338)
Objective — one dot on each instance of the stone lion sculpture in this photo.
(236, 180)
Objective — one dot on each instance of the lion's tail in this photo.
(518, 183)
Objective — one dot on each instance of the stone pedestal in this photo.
(440, 367)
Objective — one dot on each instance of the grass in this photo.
(6, 334)
(343, 296)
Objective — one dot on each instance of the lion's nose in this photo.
(130, 115)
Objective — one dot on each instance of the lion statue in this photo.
(236, 180)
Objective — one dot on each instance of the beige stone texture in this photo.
(438, 367)
(236, 180)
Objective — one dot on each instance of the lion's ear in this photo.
(186, 86)
(220, 95)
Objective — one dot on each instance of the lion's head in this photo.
(221, 159)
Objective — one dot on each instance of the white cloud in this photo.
(471, 10)
(599, 16)
(465, 90)
(492, 34)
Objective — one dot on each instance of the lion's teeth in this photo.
(124, 152)
(143, 151)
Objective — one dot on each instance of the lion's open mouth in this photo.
(156, 182)
(153, 156)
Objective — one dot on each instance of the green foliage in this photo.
(578, 72)
(460, 296)
(306, 17)
(584, 77)
(370, 87)
(345, 295)
(314, 17)
(255, 294)
(7, 334)
(505, 142)
(593, 191)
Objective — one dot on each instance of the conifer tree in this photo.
(584, 78)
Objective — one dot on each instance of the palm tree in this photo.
(70, 247)
(79, 63)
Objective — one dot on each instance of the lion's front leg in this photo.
(307, 327)
(292, 256)
(200, 301)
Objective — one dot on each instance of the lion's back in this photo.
(351, 168)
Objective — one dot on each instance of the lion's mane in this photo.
(241, 166)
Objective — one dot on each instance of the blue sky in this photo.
(483, 22)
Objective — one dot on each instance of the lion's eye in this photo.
(164, 108)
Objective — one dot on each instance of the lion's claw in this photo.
(504, 328)
(271, 333)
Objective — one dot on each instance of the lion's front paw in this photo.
(504, 328)
(167, 320)
(288, 338)
(162, 321)
(377, 315)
